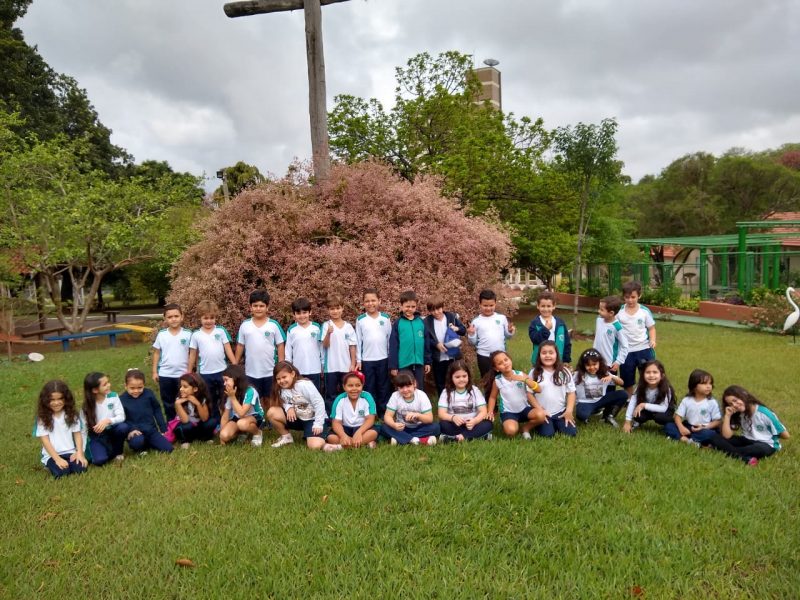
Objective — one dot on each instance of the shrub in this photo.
(364, 227)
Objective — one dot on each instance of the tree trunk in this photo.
(581, 235)
(316, 90)
(248, 8)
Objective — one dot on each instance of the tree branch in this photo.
(247, 8)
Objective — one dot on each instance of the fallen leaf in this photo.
(185, 562)
(325, 498)
(734, 531)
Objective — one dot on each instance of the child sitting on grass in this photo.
(58, 427)
(105, 420)
(556, 393)
(193, 410)
(352, 417)
(296, 404)
(698, 416)
(409, 414)
(143, 415)
(654, 399)
(513, 391)
(243, 413)
(462, 407)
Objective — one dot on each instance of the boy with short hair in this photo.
(444, 330)
(339, 348)
(640, 330)
(408, 345)
(373, 329)
(304, 343)
(488, 331)
(171, 357)
(209, 346)
(609, 338)
(547, 326)
(262, 342)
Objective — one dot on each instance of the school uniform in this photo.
(408, 347)
(436, 331)
(592, 394)
(260, 352)
(144, 414)
(104, 446)
(552, 397)
(512, 398)
(654, 410)
(490, 335)
(635, 327)
(464, 404)
(309, 407)
(252, 401)
(400, 407)
(539, 333)
(372, 351)
(760, 436)
(61, 436)
(172, 363)
(211, 363)
(693, 412)
(304, 350)
(610, 341)
(353, 417)
(336, 358)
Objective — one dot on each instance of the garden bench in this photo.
(111, 315)
(65, 339)
(40, 333)
(145, 331)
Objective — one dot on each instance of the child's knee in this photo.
(537, 416)
(510, 428)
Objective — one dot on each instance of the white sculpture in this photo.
(791, 320)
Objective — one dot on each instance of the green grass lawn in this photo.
(604, 515)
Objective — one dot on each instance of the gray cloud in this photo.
(181, 82)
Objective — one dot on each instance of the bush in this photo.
(364, 227)
(771, 311)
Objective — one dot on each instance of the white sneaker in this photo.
(331, 447)
(611, 421)
(257, 440)
(119, 457)
(284, 440)
(185, 445)
(415, 441)
(431, 440)
(392, 442)
(526, 435)
(488, 437)
(143, 453)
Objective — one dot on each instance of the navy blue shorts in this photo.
(259, 419)
(519, 417)
(306, 427)
(627, 370)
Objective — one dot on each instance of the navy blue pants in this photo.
(376, 382)
(72, 467)
(216, 393)
(741, 447)
(105, 446)
(169, 388)
(151, 439)
(480, 430)
(333, 387)
(404, 437)
(187, 432)
(556, 424)
(439, 368)
(703, 436)
(610, 403)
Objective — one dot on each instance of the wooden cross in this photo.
(316, 67)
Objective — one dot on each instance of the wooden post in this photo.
(317, 110)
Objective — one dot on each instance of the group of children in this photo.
(279, 378)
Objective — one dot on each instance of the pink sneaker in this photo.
(753, 462)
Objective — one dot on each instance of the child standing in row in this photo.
(547, 326)
(409, 414)
(197, 422)
(760, 427)
(143, 415)
(262, 342)
(654, 399)
(304, 343)
(462, 407)
(444, 330)
(296, 405)
(243, 412)
(352, 417)
(171, 357)
(488, 331)
(640, 331)
(208, 348)
(594, 388)
(513, 391)
(105, 420)
(408, 344)
(698, 417)
(556, 393)
(339, 346)
(609, 338)
(373, 329)
(58, 427)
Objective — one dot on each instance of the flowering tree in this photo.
(364, 227)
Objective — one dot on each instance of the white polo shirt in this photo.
(174, 358)
(210, 346)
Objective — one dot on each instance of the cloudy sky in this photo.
(177, 80)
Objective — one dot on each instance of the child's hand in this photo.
(453, 326)
(426, 369)
(291, 416)
(471, 329)
(79, 458)
(100, 426)
(316, 429)
(607, 378)
(698, 427)
(441, 348)
(134, 433)
(358, 367)
(548, 322)
(330, 330)
(346, 441)
(357, 440)
(730, 411)
(155, 376)
(410, 417)
(230, 389)
(638, 410)
(614, 367)
(685, 432)
(399, 426)
(458, 421)
(470, 423)
(393, 372)
(61, 463)
(512, 328)
(653, 344)
(627, 427)
(569, 419)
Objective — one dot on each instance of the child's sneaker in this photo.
(488, 437)
(611, 421)
(392, 442)
(526, 435)
(284, 440)
(143, 453)
(372, 445)
(415, 441)
(257, 440)
(753, 462)
(431, 440)
(119, 457)
(185, 445)
(331, 447)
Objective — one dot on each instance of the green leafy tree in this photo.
(238, 177)
(586, 154)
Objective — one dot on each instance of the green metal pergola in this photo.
(745, 246)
